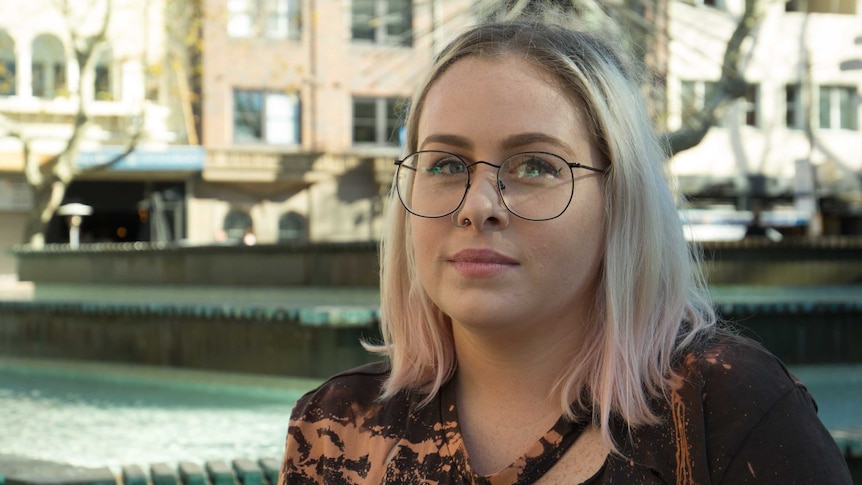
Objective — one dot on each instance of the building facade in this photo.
(792, 146)
(129, 86)
(303, 104)
(297, 106)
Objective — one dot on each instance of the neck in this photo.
(503, 391)
(493, 365)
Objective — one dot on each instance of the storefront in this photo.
(141, 197)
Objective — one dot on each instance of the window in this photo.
(386, 22)
(270, 117)
(749, 104)
(102, 83)
(237, 224)
(291, 227)
(837, 106)
(103, 77)
(7, 65)
(240, 18)
(377, 120)
(793, 106)
(694, 95)
(274, 19)
(283, 20)
(49, 67)
(847, 7)
(7, 78)
(59, 87)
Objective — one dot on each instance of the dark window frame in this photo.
(382, 22)
(249, 110)
(381, 121)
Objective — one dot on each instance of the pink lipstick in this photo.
(478, 263)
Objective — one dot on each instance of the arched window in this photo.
(291, 227)
(236, 225)
(49, 67)
(7, 65)
(103, 77)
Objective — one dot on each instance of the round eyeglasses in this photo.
(536, 186)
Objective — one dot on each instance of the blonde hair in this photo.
(652, 302)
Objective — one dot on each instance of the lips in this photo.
(482, 256)
(481, 263)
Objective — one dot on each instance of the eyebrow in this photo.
(511, 142)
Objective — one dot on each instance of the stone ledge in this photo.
(17, 470)
(793, 308)
(822, 242)
(162, 248)
(24, 471)
(331, 315)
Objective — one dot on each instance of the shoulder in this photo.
(720, 391)
(344, 394)
(757, 418)
(342, 430)
(735, 384)
(351, 401)
(736, 370)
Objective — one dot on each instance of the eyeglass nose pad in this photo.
(500, 184)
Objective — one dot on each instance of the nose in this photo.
(483, 204)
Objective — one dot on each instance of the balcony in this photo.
(260, 164)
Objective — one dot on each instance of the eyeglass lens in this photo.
(535, 185)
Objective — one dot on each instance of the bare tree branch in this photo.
(730, 86)
(125, 152)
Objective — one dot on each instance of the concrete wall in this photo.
(793, 261)
(342, 265)
(11, 233)
(790, 262)
(215, 338)
(304, 344)
(301, 310)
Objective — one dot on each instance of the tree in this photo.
(729, 87)
(49, 179)
(641, 24)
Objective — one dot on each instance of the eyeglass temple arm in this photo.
(586, 167)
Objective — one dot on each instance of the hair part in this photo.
(651, 301)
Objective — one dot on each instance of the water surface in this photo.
(106, 418)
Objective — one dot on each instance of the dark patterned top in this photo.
(737, 417)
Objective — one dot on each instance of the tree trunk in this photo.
(47, 198)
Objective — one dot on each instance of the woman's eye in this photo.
(447, 166)
(532, 166)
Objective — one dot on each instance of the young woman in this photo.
(543, 318)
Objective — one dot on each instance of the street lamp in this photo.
(74, 213)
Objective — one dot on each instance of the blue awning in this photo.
(186, 158)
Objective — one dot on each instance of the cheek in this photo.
(578, 244)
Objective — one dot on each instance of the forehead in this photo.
(501, 95)
(506, 67)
